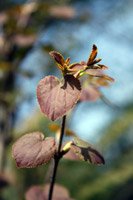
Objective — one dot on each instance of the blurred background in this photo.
(28, 31)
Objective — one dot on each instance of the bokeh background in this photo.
(28, 31)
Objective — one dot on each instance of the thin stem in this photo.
(62, 133)
(57, 158)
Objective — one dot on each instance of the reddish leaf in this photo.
(92, 55)
(57, 57)
(103, 67)
(95, 72)
(100, 81)
(90, 93)
(108, 78)
(86, 152)
(71, 155)
(41, 193)
(32, 150)
(35, 193)
(59, 192)
(56, 98)
(77, 66)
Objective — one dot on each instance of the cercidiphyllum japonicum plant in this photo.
(57, 97)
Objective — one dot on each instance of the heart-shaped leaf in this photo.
(56, 98)
(32, 150)
(35, 193)
(41, 193)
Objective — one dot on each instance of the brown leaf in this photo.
(32, 150)
(92, 55)
(58, 58)
(56, 99)
(90, 93)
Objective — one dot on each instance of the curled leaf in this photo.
(92, 55)
(33, 149)
(58, 58)
(56, 98)
(86, 152)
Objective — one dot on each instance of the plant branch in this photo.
(57, 158)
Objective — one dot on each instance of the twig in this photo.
(57, 158)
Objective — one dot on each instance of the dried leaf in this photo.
(56, 99)
(92, 55)
(32, 150)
